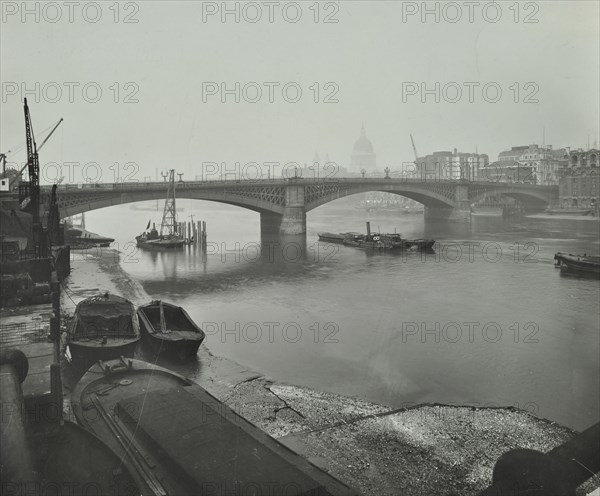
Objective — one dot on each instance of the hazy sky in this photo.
(374, 50)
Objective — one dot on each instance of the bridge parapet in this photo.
(284, 202)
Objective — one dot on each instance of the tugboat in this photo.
(167, 238)
(586, 264)
(384, 242)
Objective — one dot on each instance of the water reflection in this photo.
(492, 272)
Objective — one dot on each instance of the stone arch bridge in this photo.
(283, 204)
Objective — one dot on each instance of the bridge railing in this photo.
(161, 185)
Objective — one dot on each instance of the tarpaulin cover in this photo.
(101, 316)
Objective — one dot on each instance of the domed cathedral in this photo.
(363, 156)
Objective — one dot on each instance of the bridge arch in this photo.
(530, 198)
(432, 199)
(91, 199)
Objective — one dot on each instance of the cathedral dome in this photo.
(363, 156)
(362, 144)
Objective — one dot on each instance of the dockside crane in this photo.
(20, 173)
(29, 191)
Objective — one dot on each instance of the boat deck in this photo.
(189, 444)
(186, 440)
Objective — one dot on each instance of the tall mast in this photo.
(31, 189)
(169, 220)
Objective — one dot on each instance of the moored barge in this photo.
(103, 327)
(177, 439)
(169, 330)
(586, 264)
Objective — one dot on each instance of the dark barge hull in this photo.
(580, 264)
(568, 211)
(183, 338)
(77, 458)
(185, 441)
(149, 245)
(335, 238)
(104, 327)
(88, 353)
(184, 350)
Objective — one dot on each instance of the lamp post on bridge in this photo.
(315, 167)
(164, 176)
(363, 172)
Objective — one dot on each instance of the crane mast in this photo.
(414, 148)
(18, 176)
(29, 191)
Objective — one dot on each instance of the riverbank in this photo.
(424, 449)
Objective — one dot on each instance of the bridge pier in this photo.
(293, 219)
(293, 222)
(447, 214)
(461, 212)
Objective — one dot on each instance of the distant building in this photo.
(451, 165)
(582, 161)
(508, 171)
(579, 185)
(363, 156)
(545, 162)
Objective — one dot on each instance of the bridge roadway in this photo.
(283, 203)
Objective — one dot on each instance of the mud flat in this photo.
(426, 449)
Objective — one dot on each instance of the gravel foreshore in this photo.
(380, 451)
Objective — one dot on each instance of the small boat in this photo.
(175, 438)
(78, 236)
(75, 237)
(151, 240)
(168, 329)
(568, 211)
(103, 327)
(579, 263)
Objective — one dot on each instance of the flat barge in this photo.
(584, 264)
(175, 438)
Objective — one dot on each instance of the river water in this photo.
(486, 320)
